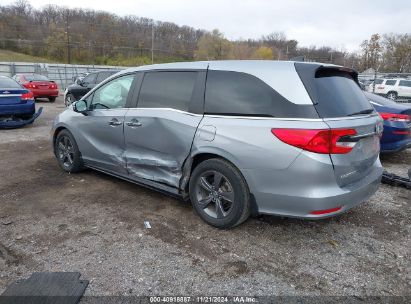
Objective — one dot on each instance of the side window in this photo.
(113, 94)
(167, 90)
(378, 81)
(91, 78)
(390, 82)
(103, 75)
(405, 83)
(242, 94)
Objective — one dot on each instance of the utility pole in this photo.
(68, 37)
(152, 42)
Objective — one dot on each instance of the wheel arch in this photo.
(202, 155)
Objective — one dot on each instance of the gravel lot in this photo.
(93, 223)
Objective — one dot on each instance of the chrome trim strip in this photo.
(168, 109)
(10, 95)
(262, 118)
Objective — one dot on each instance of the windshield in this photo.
(36, 77)
(339, 95)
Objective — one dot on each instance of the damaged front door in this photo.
(160, 131)
(102, 129)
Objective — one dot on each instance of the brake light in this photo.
(395, 117)
(380, 88)
(30, 85)
(27, 96)
(53, 86)
(318, 141)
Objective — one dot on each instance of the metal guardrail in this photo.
(62, 74)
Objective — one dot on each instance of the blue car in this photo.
(17, 107)
(397, 123)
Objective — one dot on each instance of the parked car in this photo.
(82, 86)
(235, 137)
(39, 85)
(392, 88)
(397, 123)
(17, 107)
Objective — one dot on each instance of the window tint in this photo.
(91, 78)
(378, 81)
(7, 83)
(113, 94)
(167, 90)
(338, 94)
(103, 75)
(235, 93)
(36, 77)
(390, 82)
(405, 83)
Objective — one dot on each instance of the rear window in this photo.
(235, 93)
(339, 95)
(390, 82)
(7, 83)
(36, 77)
(378, 81)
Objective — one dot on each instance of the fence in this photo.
(62, 74)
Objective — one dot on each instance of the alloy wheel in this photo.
(214, 194)
(65, 151)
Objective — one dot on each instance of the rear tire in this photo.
(219, 193)
(52, 99)
(392, 95)
(67, 153)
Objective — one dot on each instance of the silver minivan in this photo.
(235, 138)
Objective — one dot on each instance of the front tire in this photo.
(52, 99)
(67, 152)
(69, 99)
(219, 193)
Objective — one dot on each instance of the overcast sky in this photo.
(341, 24)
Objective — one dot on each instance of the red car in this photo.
(40, 85)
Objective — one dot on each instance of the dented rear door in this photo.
(159, 132)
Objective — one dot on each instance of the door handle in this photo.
(134, 123)
(115, 122)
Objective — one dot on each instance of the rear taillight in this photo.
(380, 87)
(30, 85)
(27, 96)
(395, 117)
(53, 86)
(319, 141)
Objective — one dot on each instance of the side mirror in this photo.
(83, 83)
(81, 107)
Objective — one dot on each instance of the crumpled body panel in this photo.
(18, 123)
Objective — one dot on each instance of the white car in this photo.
(392, 88)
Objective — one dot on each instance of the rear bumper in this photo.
(308, 186)
(27, 108)
(44, 93)
(17, 123)
(396, 146)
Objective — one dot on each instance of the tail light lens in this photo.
(380, 87)
(27, 96)
(318, 141)
(30, 85)
(53, 86)
(395, 117)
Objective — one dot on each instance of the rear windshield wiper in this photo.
(367, 111)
